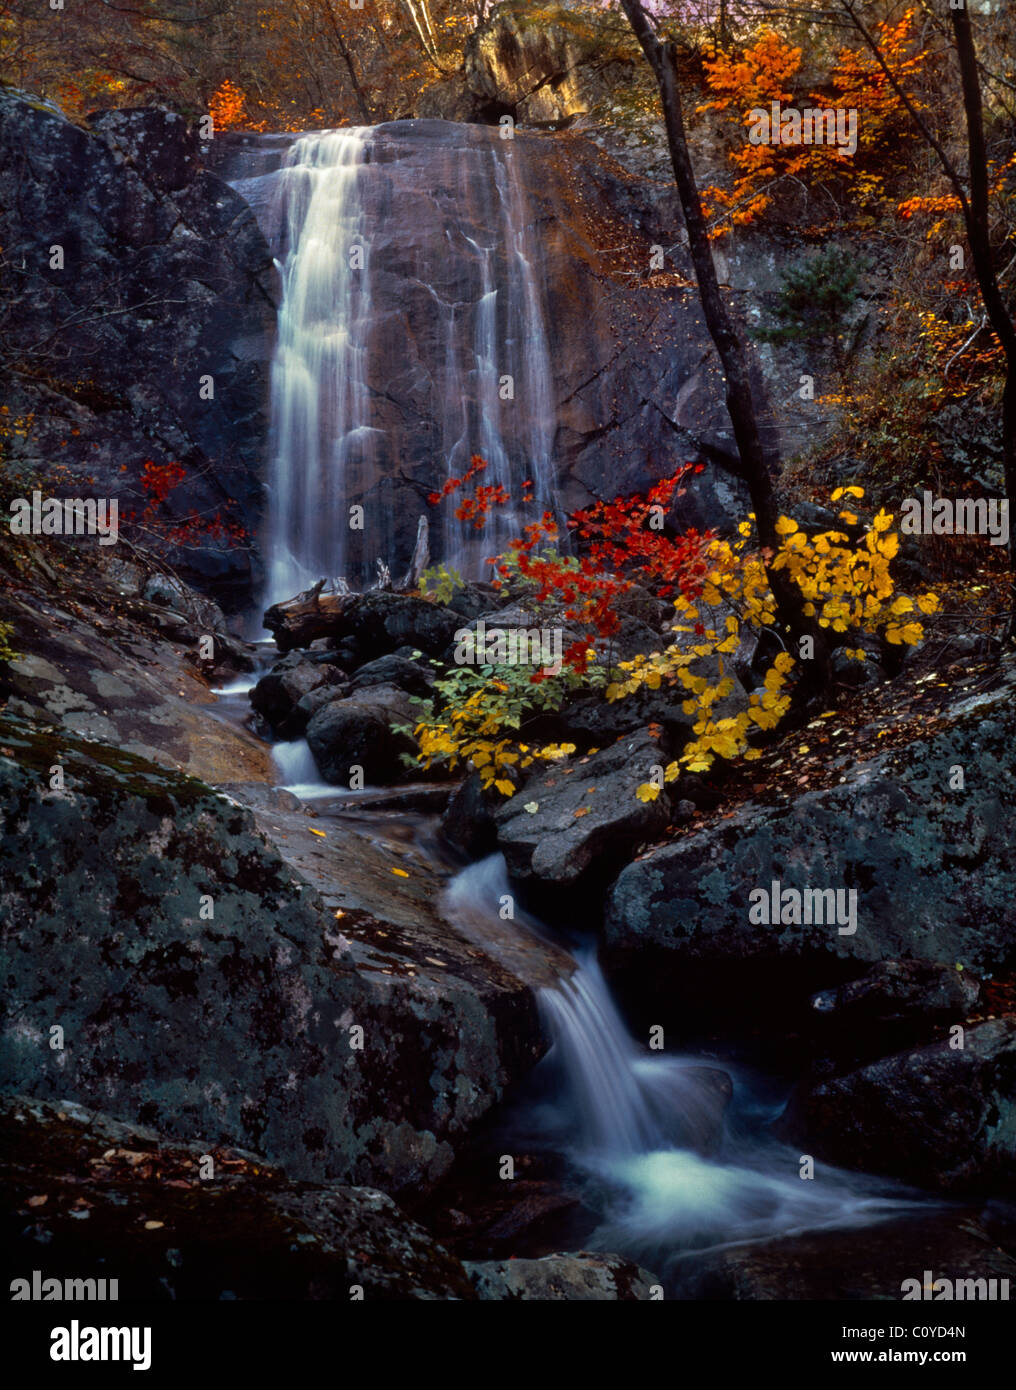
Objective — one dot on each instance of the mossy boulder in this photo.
(203, 986)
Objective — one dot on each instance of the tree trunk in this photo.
(979, 236)
(662, 58)
(347, 58)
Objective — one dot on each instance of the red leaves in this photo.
(621, 543)
(158, 480)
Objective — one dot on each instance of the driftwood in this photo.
(301, 620)
(319, 610)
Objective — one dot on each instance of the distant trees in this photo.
(295, 63)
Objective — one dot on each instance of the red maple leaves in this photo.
(619, 544)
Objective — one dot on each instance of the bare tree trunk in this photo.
(421, 26)
(662, 58)
(347, 58)
(979, 236)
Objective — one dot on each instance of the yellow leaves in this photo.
(882, 521)
(908, 635)
(901, 605)
(784, 662)
(556, 751)
(855, 653)
(928, 603)
(401, 873)
(851, 491)
(647, 792)
(317, 832)
(785, 526)
(505, 787)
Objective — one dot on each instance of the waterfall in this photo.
(412, 334)
(658, 1153)
(320, 399)
(669, 1173)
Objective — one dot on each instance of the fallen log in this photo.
(301, 620)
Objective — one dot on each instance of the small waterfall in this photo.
(669, 1174)
(672, 1152)
(320, 398)
(298, 772)
(502, 407)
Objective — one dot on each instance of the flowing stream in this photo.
(671, 1168)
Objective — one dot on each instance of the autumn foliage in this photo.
(765, 72)
(721, 593)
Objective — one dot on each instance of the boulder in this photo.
(201, 612)
(242, 1230)
(895, 990)
(362, 731)
(928, 865)
(575, 822)
(295, 723)
(468, 821)
(396, 670)
(276, 695)
(942, 1117)
(590, 1277)
(148, 918)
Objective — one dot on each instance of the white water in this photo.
(298, 772)
(324, 440)
(667, 1175)
(637, 1117)
(509, 339)
(320, 400)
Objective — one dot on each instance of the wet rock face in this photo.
(148, 918)
(146, 229)
(873, 1263)
(929, 866)
(632, 384)
(243, 1231)
(941, 1116)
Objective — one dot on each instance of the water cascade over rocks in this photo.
(435, 306)
(672, 1152)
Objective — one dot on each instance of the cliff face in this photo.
(614, 376)
(165, 280)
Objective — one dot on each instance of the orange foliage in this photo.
(228, 107)
(764, 73)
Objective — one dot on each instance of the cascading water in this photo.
(668, 1172)
(320, 399)
(449, 305)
